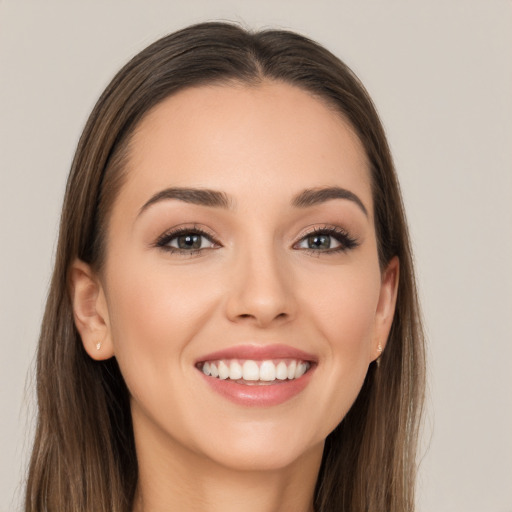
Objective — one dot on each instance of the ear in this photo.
(90, 311)
(386, 306)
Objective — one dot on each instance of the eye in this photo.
(319, 241)
(186, 241)
(189, 241)
(327, 239)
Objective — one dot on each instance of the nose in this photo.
(260, 289)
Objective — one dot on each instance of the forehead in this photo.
(245, 139)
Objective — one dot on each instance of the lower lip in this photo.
(264, 395)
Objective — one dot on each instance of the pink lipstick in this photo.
(255, 375)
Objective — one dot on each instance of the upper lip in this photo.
(259, 353)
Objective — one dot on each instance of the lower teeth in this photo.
(258, 382)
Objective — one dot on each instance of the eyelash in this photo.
(164, 240)
(346, 241)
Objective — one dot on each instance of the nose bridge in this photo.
(260, 288)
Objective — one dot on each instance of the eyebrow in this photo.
(312, 197)
(199, 196)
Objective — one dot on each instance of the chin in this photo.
(266, 459)
(260, 447)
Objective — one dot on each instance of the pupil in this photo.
(319, 242)
(189, 242)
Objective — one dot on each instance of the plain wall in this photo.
(440, 73)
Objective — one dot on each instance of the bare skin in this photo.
(266, 262)
(217, 488)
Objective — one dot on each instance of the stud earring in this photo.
(379, 349)
(98, 345)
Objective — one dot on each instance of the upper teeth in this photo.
(256, 370)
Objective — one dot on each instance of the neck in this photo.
(173, 478)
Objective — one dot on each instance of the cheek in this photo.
(155, 303)
(153, 314)
(344, 318)
(344, 307)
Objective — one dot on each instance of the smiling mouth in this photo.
(253, 372)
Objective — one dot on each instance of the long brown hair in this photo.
(84, 457)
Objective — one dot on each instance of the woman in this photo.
(232, 321)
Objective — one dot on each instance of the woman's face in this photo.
(242, 243)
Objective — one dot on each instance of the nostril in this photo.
(277, 317)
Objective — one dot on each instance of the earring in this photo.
(98, 345)
(379, 349)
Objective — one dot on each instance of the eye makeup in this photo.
(187, 240)
(318, 241)
(190, 240)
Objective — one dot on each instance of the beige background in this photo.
(440, 72)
